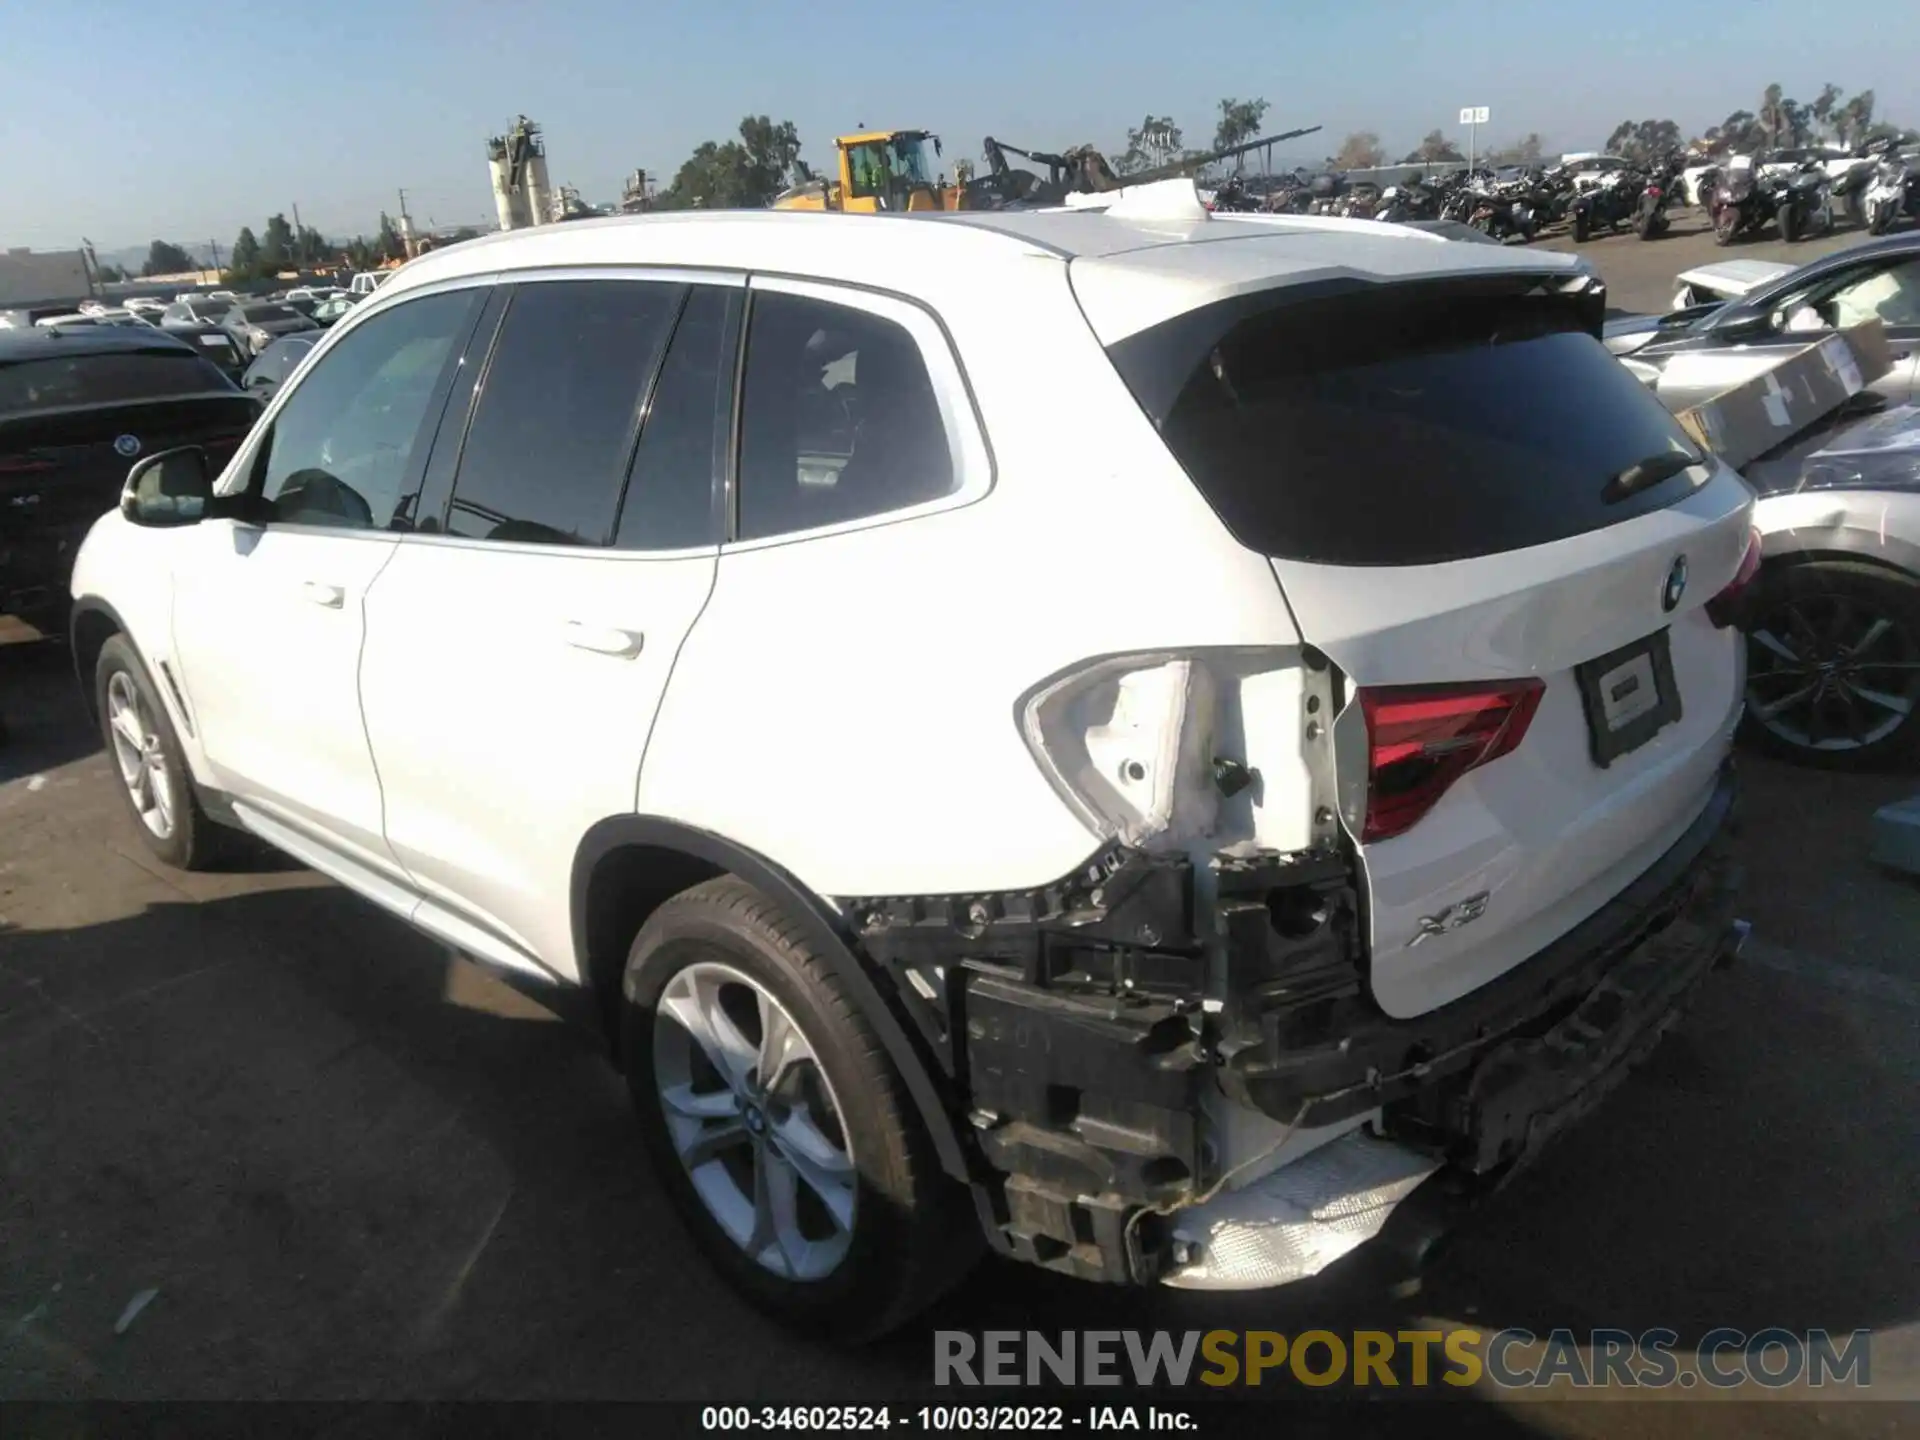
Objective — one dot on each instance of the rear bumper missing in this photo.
(1096, 1054)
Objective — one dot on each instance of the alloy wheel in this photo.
(1826, 672)
(141, 758)
(754, 1120)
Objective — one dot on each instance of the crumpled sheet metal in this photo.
(1300, 1219)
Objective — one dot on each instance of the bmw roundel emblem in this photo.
(1676, 585)
(127, 446)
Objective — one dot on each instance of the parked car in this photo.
(147, 307)
(26, 317)
(213, 342)
(1833, 669)
(1131, 923)
(1724, 280)
(196, 310)
(331, 311)
(1860, 542)
(77, 405)
(272, 366)
(1733, 341)
(255, 325)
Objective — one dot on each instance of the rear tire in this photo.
(1853, 628)
(894, 1232)
(1726, 224)
(1789, 222)
(1582, 227)
(149, 768)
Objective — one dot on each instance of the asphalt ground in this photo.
(353, 1168)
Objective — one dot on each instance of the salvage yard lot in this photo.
(1639, 273)
(353, 1168)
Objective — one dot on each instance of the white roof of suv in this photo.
(1129, 272)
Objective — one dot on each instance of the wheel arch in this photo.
(626, 866)
(91, 624)
(1782, 548)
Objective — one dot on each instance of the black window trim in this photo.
(972, 447)
(507, 280)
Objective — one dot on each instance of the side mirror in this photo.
(169, 489)
(1801, 320)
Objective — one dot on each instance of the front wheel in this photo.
(781, 1128)
(1726, 224)
(1833, 664)
(1582, 227)
(145, 752)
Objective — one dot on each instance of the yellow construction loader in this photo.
(880, 170)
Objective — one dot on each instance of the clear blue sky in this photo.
(202, 119)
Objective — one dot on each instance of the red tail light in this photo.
(1724, 608)
(1423, 738)
(22, 465)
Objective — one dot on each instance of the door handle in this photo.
(331, 596)
(603, 640)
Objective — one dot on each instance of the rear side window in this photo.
(839, 419)
(105, 380)
(1406, 427)
(559, 412)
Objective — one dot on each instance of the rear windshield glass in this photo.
(104, 380)
(1406, 426)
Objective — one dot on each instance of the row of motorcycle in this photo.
(1744, 197)
(1741, 195)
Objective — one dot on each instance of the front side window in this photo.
(839, 419)
(341, 449)
(1891, 296)
(547, 452)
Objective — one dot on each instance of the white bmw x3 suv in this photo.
(1144, 737)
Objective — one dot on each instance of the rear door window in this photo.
(669, 503)
(559, 413)
(1406, 425)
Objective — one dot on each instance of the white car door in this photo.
(268, 611)
(516, 655)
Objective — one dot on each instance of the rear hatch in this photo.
(70, 428)
(1507, 547)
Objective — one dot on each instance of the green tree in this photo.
(310, 246)
(109, 274)
(1434, 148)
(1824, 106)
(387, 244)
(1741, 133)
(166, 258)
(1154, 142)
(1525, 151)
(244, 262)
(1643, 141)
(1360, 151)
(1855, 118)
(1239, 121)
(1773, 113)
(738, 174)
(276, 245)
